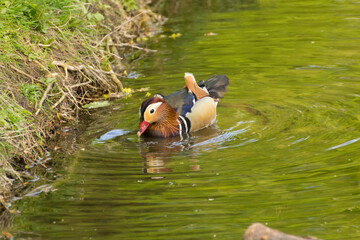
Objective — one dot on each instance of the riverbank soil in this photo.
(55, 57)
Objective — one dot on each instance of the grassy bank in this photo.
(57, 55)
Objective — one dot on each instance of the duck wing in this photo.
(215, 85)
(182, 101)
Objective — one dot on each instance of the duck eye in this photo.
(152, 111)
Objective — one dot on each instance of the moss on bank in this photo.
(56, 56)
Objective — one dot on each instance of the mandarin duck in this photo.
(187, 110)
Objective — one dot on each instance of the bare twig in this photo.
(83, 96)
(42, 66)
(48, 88)
(118, 28)
(45, 45)
(67, 66)
(116, 55)
(88, 10)
(81, 84)
(79, 69)
(118, 83)
(105, 26)
(127, 35)
(63, 65)
(59, 101)
(116, 80)
(132, 46)
(137, 25)
(105, 72)
(27, 75)
(73, 97)
(15, 136)
(59, 30)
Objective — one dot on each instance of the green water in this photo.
(284, 152)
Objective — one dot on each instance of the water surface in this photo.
(284, 150)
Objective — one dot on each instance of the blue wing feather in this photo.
(182, 101)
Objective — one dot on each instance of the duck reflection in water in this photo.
(159, 152)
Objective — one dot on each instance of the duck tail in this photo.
(215, 85)
(193, 86)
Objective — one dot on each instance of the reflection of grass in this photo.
(53, 58)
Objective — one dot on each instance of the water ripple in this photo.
(110, 135)
(344, 144)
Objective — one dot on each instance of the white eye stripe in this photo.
(152, 107)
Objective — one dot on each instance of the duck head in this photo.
(157, 118)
